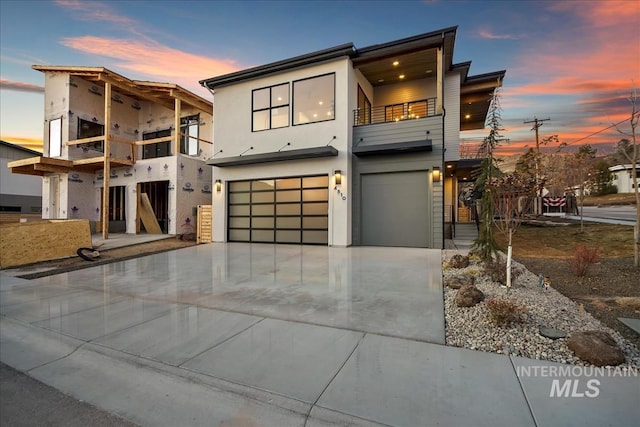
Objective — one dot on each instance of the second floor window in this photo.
(159, 149)
(314, 99)
(189, 135)
(90, 129)
(270, 106)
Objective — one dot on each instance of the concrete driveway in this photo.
(273, 335)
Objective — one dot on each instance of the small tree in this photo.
(512, 197)
(631, 152)
(485, 245)
(575, 172)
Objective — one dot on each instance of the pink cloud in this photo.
(20, 86)
(153, 59)
(94, 11)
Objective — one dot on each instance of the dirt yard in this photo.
(609, 290)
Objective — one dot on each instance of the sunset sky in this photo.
(574, 62)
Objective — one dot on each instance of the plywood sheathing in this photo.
(30, 242)
(204, 231)
(147, 215)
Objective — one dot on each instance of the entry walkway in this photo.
(239, 334)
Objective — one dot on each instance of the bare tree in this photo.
(512, 197)
(579, 167)
(632, 153)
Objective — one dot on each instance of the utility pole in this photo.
(536, 125)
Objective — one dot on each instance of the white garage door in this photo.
(285, 210)
(395, 209)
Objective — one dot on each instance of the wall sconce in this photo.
(436, 174)
(338, 177)
(218, 185)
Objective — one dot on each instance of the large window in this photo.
(314, 99)
(55, 137)
(189, 135)
(270, 106)
(364, 108)
(159, 149)
(89, 129)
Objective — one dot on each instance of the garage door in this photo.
(395, 209)
(285, 210)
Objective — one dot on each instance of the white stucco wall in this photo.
(232, 134)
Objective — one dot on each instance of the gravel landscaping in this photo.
(472, 328)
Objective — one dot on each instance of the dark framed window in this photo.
(189, 131)
(270, 107)
(159, 149)
(393, 113)
(364, 108)
(314, 99)
(89, 129)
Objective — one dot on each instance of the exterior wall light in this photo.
(436, 174)
(338, 177)
(218, 185)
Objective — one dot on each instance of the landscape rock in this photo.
(460, 280)
(596, 347)
(459, 261)
(552, 333)
(468, 296)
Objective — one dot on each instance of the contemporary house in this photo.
(18, 194)
(623, 177)
(111, 143)
(346, 146)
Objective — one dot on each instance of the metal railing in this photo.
(410, 110)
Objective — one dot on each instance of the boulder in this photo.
(459, 261)
(468, 296)
(596, 347)
(458, 281)
(551, 333)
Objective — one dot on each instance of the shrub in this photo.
(504, 312)
(459, 261)
(583, 258)
(496, 269)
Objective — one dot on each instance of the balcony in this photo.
(406, 127)
(411, 110)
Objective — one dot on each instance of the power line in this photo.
(597, 132)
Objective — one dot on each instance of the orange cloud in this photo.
(20, 86)
(30, 143)
(153, 59)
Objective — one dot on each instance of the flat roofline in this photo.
(274, 67)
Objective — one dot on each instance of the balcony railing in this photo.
(411, 110)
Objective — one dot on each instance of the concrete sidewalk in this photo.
(233, 334)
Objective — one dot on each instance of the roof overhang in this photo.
(417, 57)
(476, 93)
(343, 50)
(393, 148)
(276, 156)
(163, 94)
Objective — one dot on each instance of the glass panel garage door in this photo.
(284, 210)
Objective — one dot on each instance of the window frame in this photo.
(293, 98)
(98, 145)
(186, 125)
(58, 137)
(146, 148)
(271, 107)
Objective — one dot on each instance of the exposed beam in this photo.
(176, 127)
(107, 164)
